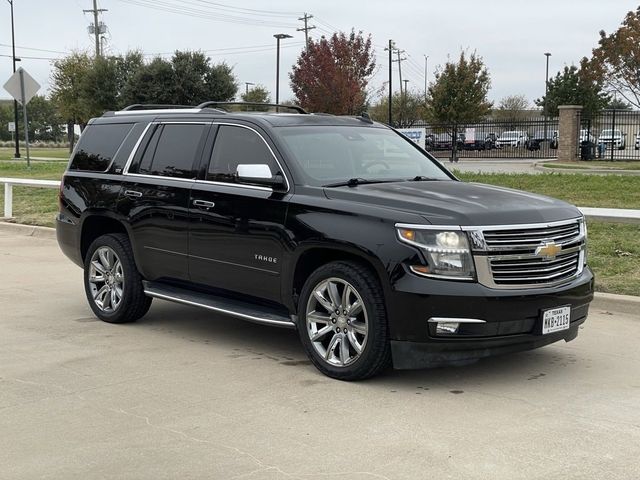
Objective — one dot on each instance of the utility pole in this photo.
(426, 74)
(390, 50)
(306, 28)
(405, 87)
(400, 60)
(96, 28)
(15, 102)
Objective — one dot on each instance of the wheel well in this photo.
(96, 226)
(313, 259)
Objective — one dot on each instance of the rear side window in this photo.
(172, 149)
(235, 146)
(97, 146)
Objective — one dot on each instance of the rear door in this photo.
(155, 196)
(237, 235)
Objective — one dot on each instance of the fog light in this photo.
(447, 327)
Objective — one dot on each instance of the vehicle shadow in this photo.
(283, 346)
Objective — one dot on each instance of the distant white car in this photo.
(638, 141)
(513, 138)
(613, 137)
(586, 136)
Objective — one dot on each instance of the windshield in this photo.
(607, 133)
(330, 154)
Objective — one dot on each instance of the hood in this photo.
(458, 203)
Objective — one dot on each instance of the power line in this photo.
(32, 48)
(204, 14)
(239, 10)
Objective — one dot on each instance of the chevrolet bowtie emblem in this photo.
(548, 250)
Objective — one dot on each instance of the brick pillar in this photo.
(568, 132)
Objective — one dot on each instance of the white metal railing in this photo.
(27, 182)
(619, 215)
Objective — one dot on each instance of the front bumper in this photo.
(513, 319)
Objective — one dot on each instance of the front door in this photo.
(237, 234)
(154, 197)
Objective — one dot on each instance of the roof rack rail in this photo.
(217, 104)
(151, 106)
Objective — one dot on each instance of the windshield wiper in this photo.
(422, 178)
(352, 182)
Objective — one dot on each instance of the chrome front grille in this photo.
(530, 255)
(526, 238)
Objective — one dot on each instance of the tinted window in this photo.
(174, 148)
(328, 154)
(98, 144)
(236, 146)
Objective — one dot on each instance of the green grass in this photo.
(58, 153)
(614, 256)
(614, 249)
(32, 206)
(597, 164)
(612, 191)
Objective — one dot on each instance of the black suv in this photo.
(337, 226)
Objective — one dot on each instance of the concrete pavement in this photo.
(187, 394)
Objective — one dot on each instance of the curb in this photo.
(28, 230)
(627, 304)
(539, 166)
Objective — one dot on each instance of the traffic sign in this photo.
(22, 86)
(12, 126)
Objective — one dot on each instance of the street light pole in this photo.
(15, 102)
(546, 94)
(426, 74)
(278, 37)
(246, 87)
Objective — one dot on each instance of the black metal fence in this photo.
(534, 137)
(612, 135)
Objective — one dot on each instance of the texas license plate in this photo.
(556, 319)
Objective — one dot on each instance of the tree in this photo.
(618, 104)
(44, 120)
(512, 108)
(221, 83)
(67, 90)
(572, 87)
(615, 63)
(406, 108)
(458, 96)
(258, 94)
(332, 75)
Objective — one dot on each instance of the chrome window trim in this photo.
(255, 187)
(125, 170)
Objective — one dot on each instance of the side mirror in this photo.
(260, 174)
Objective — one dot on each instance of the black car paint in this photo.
(224, 247)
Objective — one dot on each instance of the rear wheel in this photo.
(112, 283)
(342, 322)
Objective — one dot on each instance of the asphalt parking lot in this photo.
(187, 394)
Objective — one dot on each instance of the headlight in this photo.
(447, 252)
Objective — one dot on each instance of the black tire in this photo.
(376, 353)
(133, 302)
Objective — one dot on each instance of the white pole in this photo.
(8, 200)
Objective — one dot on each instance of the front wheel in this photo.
(342, 322)
(112, 283)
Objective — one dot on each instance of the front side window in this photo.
(238, 146)
(172, 150)
(328, 154)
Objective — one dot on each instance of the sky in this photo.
(510, 35)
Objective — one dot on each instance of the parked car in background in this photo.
(554, 139)
(615, 138)
(480, 141)
(513, 138)
(637, 146)
(586, 136)
(538, 138)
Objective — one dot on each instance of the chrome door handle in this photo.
(203, 204)
(132, 194)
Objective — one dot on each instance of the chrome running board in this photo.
(236, 308)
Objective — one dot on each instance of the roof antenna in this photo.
(364, 117)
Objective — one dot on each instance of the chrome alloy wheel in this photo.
(337, 322)
(106, 279)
